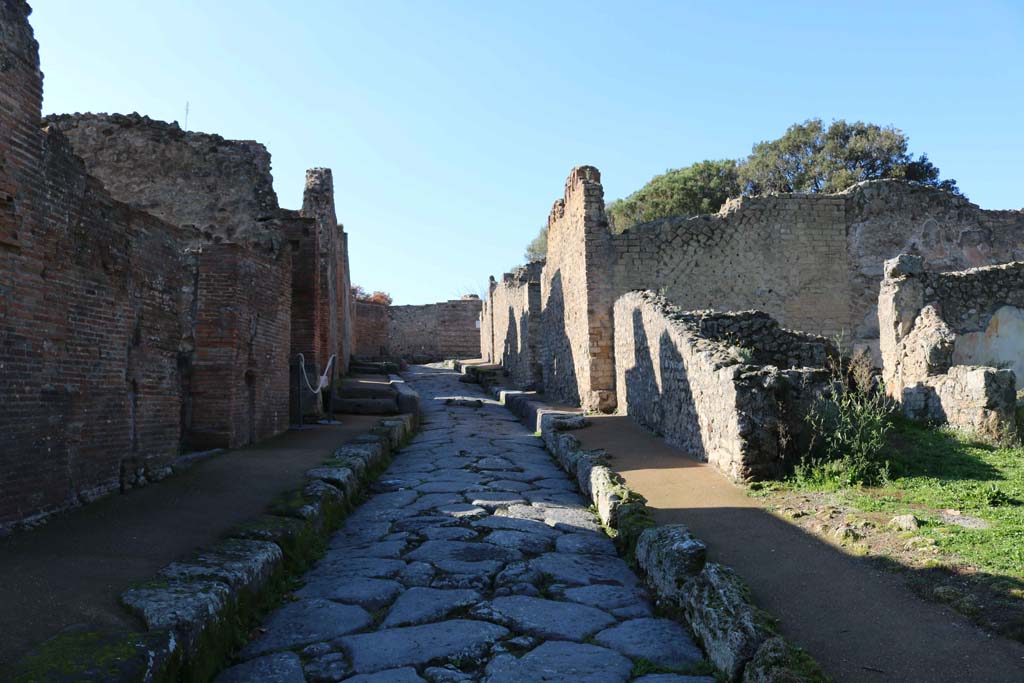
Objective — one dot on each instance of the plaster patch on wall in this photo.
(1000, 345)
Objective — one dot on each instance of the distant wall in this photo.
(89, 314)
(432, 332)
(951, 343)
(371, 329)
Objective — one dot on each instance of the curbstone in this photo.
(670, 557)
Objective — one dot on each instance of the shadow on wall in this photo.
(511, 337)
(641, 389)
(560, 381)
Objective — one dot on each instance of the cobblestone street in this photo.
(474, 559)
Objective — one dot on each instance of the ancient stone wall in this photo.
(577, 295)
(730, 388)
(371, 329)
(952, 343)
(785, 255)
(511, 323)
(812, 262)
(433, 332)
(89, 313)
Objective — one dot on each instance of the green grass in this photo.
(931, 470)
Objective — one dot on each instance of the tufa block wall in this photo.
(89, 313)
(951, 341)
(510, 325)
(730, 388)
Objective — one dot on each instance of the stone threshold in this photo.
(739, 638)
(197, 611)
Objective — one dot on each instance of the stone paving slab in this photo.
(474, 560)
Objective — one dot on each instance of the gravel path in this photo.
(475, 559)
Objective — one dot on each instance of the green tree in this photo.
(812, 158)
(690, 191)
(537, 250)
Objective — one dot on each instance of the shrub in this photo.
(848, 426)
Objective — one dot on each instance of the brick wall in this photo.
(89, 314)
(433, 332)
(371, 329)
(221, 192)
(240, 376)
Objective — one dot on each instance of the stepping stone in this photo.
(369, 593)
(627, 603)
(496, 499)
(416, 645)
(561, 662)
(404, 675)
(519, 540)
(460, 510)
(530, 526)
(545, 618)
(283, 667)
(422, 605)
(307, 621)
(582, 570)
(660, 641)
(590, 544)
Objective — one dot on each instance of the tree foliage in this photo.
(360, 294)
(690, 191)
(537, 250)
(812, 158)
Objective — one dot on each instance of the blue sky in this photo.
(451, 126)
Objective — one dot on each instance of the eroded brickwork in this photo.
(951, 343)
(730, 388)
(89, 313)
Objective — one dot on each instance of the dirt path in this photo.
(474, 560)
(861, 623)
(73, 569)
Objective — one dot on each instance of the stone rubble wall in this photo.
(89, 314)
(949, 343)
(510, 325)
(703, 381)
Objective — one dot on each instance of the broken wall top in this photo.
(219, 190)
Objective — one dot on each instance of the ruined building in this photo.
(153, 295)
(812, 263)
